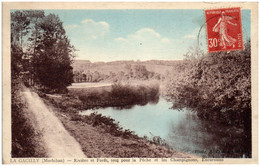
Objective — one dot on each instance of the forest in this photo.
(40, 50)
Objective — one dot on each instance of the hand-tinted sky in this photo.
(108, 35)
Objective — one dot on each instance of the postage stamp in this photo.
(224, 29)
(134, 83)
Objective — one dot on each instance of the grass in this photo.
(118, 95)
(25, 140)
(108, 124)
(101, 136)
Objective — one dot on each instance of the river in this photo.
(182, 130)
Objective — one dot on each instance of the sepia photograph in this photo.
(125, 84)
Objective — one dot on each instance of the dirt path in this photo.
(58, 142)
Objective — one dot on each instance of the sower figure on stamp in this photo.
(221, 28)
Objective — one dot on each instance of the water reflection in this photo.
(189, 135)
(206, 139)
(182, 130)
(153, 101)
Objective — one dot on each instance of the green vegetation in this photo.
(41, 56)
(218, 87)
(108, 124)
(40, 50)
(25, 140)
(120, 96)
(70, 104)
(85, 71)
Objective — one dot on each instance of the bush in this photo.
(119, 96)
(135, 94)
(218, 87)
(108, 124)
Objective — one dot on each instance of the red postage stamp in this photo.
(224, 29)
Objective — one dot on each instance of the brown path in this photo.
(58, 142)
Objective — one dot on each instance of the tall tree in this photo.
(19, 27)
(53, 55)
(36, 17)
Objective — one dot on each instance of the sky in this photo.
(110, 35)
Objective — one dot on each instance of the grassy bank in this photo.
(101, 136)
(117, 95)
(26, 141)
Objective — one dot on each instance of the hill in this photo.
(156, 66)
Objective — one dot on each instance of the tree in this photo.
(218, 87)
(16, 61)
(36, 17)
(129, 71)
(53, 55)
(140, 72)
(19, 27)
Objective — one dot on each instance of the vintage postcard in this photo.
(139, 83)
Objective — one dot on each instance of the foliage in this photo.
(40, 45)
(19, 27)
(120, 96)
(52, 62)
(16, 61)
(23, 137)
(108, 124)
(217, 86)
(129, 72)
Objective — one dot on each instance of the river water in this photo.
(182, 130)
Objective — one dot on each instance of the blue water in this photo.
(155, 119)
(182, 130)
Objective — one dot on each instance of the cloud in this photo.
(88, 29)
(91, 38)
(145, 43)
(120, 39)
(190, 36)
(165, 40)
(146, 36)
(92, 23)
(147, 31)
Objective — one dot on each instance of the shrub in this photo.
(107, 123)
(218, 87)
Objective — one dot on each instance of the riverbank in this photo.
(26, 139)
(100, 136)
(117, 95)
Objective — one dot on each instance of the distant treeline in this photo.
(79, 65)
(138, 72)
